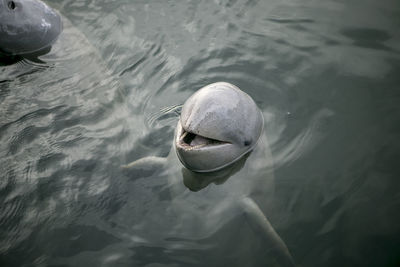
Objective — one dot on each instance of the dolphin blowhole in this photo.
(218, 125)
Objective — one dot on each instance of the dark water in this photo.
(326, 75)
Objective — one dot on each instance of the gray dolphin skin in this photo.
(27, 26)
(218, 125)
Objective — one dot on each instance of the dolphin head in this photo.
(27, 26)
(218, 125)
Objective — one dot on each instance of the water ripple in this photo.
(324, 74)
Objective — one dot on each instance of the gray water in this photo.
(326, 75)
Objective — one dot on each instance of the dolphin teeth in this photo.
(183, 135)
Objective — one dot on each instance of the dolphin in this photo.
(27, 26)
(219, 126)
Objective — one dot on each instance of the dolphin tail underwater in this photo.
(260, 224)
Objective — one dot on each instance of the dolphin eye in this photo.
(11, 5)
(247, 142)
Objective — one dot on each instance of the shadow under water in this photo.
(7, 60)
(196, 181)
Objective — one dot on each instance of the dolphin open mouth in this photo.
(189, 140)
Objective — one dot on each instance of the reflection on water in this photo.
(325, 74)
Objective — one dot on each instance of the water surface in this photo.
(326, 75)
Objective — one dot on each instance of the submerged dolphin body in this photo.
(27, 26)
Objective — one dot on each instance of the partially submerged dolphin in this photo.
(27, 26)
(218, 126)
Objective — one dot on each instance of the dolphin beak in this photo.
(186, 140)
(202, 154)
